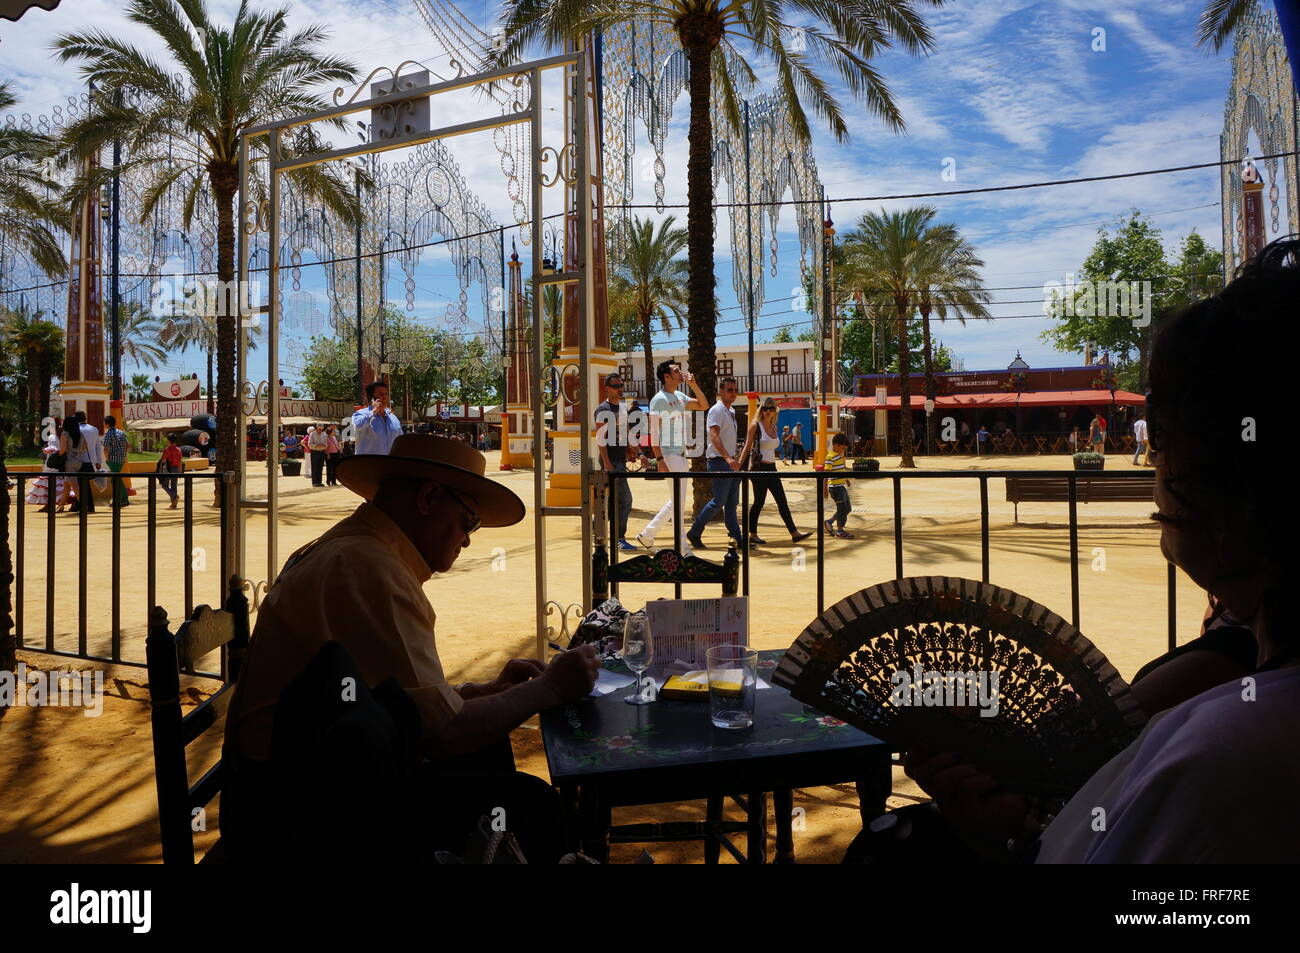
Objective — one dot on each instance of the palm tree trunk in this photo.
(929, 375)
(904, 388)
(8, 642)
(34, 362)
(649, 357)
(700, 36)
(225, 182)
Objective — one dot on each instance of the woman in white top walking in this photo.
(763, 429)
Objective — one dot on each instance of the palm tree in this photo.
(709, 32)
(137, 333)
(948, 283)
(224, 80)
(140, 388)
(39, 346)
(648, 283)
(885, 257)
(25, 213)
(180, 332)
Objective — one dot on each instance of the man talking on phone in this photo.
(375, 427)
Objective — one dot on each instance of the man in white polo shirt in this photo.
(668, 438)
(721, 453)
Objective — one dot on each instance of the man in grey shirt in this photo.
(721, 455)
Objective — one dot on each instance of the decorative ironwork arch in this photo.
(1261, 99)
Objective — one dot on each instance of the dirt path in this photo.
(81, 788)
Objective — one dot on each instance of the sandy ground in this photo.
(81, 789)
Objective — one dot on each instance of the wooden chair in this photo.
(179, 801)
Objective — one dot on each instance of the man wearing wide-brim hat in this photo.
(361, 585)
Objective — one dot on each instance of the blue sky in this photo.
(1013, 92)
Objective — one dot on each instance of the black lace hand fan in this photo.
(987, 674)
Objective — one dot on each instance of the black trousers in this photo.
(796, 450)
(264, 818)
(317, 466)
(453, 795)
(85, 496)
(763, 486)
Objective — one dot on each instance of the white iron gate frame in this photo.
(265, 216)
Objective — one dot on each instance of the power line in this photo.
(991, 188)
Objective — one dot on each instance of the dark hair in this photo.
(171, 438)
(370, 389)
(1220, 447)
(612, 377)
(73, 430)
(840, 439)
(663, 370)
(111, 420)
(81, 416)
(728, 380)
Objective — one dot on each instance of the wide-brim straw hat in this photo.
(454, 464)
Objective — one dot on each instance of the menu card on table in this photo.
(685, 629)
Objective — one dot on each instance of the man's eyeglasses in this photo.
(615, 386)
(474, 522)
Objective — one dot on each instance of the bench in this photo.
(1090, 490)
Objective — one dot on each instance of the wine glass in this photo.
(638, 654)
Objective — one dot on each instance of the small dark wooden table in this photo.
(604, 753)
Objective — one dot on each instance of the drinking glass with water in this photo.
(733, 679)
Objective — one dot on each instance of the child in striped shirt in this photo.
(838, 487)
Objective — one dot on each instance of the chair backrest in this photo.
(667, 565)
(167, 655)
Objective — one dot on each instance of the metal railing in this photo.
(1072, 501)
(86, 577)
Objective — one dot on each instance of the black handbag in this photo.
(57, 461)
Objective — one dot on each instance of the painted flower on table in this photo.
(618, 742)
(826, 721)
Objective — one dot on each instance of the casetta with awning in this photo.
(1004, 399)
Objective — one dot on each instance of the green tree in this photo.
(140, 389)
(38, 346)
(648, 284)
(26, 208)
(140, 336)
(219, 81)
(840, 37)
(330, 368)
(866, 347)
(888, 258)
(949, 285)
(1135, 253)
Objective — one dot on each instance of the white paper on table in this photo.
(608, 681)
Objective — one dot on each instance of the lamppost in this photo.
(751, 392)
(115, 297)
(356, 180)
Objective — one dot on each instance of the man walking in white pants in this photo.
(668, 440)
